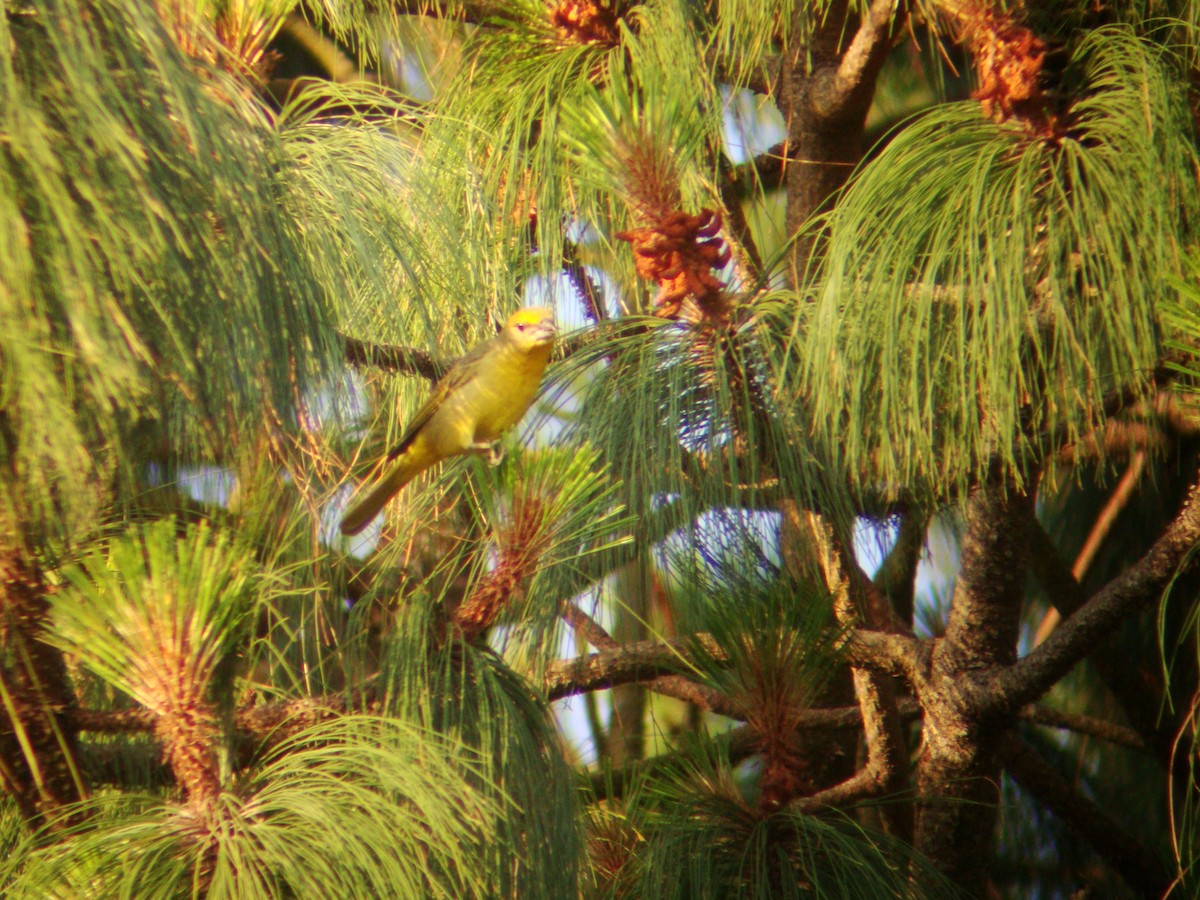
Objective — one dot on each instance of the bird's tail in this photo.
(367, 507)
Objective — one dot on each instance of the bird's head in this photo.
(531, 328)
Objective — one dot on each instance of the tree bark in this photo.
(825, 91)
(958, 775)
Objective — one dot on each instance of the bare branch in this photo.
(859, 786)
(1014, 686)
(681, 688)
(891, 654)
(1089, 725)
(985, 610)
(634, 661)
(591, 630)
(1067, 596)
(1108, 516)
(897, 574)
(958, 772)
(862, 59)
(115, 721)
(265, 721)
(336, 63)
(1049, 568)
(1111, 404)
(404, 360)
(886, 768)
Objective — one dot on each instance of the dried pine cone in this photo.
(680, 252)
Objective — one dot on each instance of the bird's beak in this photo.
(546, 330)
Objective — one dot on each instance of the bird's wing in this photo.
(461, 372)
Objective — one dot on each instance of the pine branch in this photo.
(886, 769)
(276, 721)
(682, 688)
(986, 606)
(591, 630)
(655, 665)
(676, 686)
(1040, 714)
(862, 785)
(863, 58)
(824, 93)
(844, 81)
(634, 661)
(267, 721)
(1049, 568)
(958, 772)
(897, 575)
(336, 63)
(891, 654)
(1066, 596)
(1014, 686)
(1140, 868)
(403, 360)
(1111, 405)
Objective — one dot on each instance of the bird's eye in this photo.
(521, 326)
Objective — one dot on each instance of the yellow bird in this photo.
(484, 394)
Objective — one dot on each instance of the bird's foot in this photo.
(494, 452)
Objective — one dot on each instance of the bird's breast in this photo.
(505, 393)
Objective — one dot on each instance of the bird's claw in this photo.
(493, 451)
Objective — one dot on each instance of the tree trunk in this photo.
(958, 776)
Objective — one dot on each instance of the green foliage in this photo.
(467, 693)
(155, 309)
(698, 397)
(315, 819)
(157, 606)
(704, 840)
(183, 254)
(501, 116)
(1006, 284)
(559, 505)
(771, 641)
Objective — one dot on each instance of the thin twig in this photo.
(1100, 530)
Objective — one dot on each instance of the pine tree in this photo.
(831, 277)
